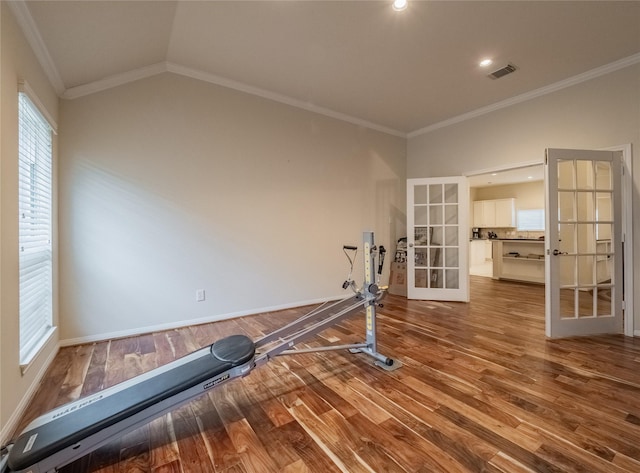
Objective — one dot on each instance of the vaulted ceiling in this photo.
(400, 72)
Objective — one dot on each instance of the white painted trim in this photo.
(190, 322)
(158, 68)
(571, 81)
(31, 32)
(232, 84)
(504, 167)
(627, 229)
(115, 80)
(24, 87)
(19, 411)
(37, 350)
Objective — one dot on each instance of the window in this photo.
(531, 220)
(35, 209)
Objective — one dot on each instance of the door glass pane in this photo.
(584, 174)
(604, 211)
(604, 301)
(436, 236)
(585, 303)
(451, 236)
(567, 274)
(565, 174)
(422, 257)
(435, 194)
(585, 270)
(586, 238)
(420, 195)
(567, 238)
(435, 214)
(566, 207)
(451, 214)
(567, 303)
(435, 260)
(437, 280)
(452, 278)
(603, 175)
(420, 215)
(603, 231)
(421, 278)
(420, 236)
(451, 258)
(586, 211)
(451, 193)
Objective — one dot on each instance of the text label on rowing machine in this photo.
(216, 381)
(78, 406)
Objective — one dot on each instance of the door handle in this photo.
(558, 252)
(410, 245)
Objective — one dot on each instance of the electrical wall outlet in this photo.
(200, 296)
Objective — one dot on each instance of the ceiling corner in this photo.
(30, 30)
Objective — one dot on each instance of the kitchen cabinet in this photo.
(496, 213)
(480, 251)
(476, 252)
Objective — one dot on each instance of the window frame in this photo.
(36, 208)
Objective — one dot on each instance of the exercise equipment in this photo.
(73, 430)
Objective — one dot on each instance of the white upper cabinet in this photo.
(496, 213)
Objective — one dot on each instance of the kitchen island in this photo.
(519, 260)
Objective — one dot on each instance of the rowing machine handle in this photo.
(348, 247)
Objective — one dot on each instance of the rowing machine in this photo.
(73, 430)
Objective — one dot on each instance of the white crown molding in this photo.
(232, 84)
(571, 81)
(114, 81)
(31, 32)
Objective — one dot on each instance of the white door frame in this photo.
(627, 235)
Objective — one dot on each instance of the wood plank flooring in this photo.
(481, 390)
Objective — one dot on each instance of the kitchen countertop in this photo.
(520, 239)
(506, 239)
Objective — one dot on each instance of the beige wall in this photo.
(17, 63)
(599, 113)
(170, 184)
(528, 195)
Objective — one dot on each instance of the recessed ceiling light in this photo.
(399, 5)
(529, 177)
(486, 62)
(494, 173)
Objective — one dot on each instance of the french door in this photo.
(438, 239)
(584, 289)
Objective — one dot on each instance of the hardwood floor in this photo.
(481, 390)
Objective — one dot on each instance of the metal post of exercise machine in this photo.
(373, 293)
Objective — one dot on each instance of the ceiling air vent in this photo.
(503, 71)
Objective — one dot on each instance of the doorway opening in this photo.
(507, 208)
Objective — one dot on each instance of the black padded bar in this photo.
(80, 421)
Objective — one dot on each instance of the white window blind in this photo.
(35, 209)
(531, 220)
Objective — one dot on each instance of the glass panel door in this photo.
(437, 222)
(584, 268)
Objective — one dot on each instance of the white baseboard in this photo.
(189, 322)
(12, 423)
